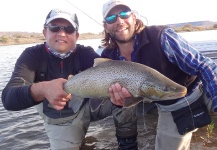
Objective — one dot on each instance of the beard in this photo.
(123, 39)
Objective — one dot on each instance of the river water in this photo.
(23, 130)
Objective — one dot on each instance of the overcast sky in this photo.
(29, 15)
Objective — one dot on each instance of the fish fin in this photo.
(131, 101)
(98, 61)
(70, 76)
(75, 103)
(96, 103)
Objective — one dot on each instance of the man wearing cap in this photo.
(126, 38)
(39, 75)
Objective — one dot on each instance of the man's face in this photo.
(60, 41)
(122, 30)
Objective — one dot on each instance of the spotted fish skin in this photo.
(140, 80)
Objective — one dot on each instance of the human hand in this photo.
(118, 94)
(54, 93)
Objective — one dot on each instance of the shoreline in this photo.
(19, 38)
(35, 42)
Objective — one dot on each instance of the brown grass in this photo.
(15, 38)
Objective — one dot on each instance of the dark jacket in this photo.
(150, 53)
(16, 95)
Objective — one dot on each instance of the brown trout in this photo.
(143, 82)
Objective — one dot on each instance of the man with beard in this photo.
(127, 39)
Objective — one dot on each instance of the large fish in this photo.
(143, 82)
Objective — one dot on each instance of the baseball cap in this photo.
(59, 13)
(111, 4)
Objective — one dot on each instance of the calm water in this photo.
(23, 130)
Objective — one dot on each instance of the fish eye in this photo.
(166, 89)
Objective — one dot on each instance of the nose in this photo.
(61, 32)
(119, 20)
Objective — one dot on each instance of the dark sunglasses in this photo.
(113, 18)
(55, 28)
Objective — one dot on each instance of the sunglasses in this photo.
(55, 28)
(113, 18)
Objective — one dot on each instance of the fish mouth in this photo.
(160, 95)
(175, 95)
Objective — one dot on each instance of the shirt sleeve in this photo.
(16, 95)
(188, 59)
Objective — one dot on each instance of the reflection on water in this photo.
(23, 130)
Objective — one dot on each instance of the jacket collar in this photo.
(142, 38)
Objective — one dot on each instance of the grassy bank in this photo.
(15, 38)
(12, 38)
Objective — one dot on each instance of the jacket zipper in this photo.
(61, 67)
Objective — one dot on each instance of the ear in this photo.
(134, 18)
(77, 35)
(105, 27)
(44, 32)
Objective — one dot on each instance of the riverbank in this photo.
(16, 38)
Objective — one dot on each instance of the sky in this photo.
(29, 15)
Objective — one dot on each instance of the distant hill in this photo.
(11, 38)
(195, 24)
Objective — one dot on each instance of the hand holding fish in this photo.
(118, 94)
(55, 94)
(52, 91)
